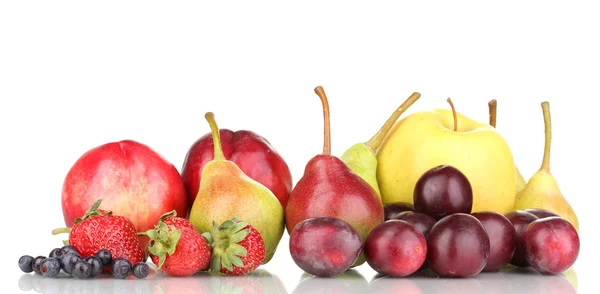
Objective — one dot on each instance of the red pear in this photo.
(329, 188)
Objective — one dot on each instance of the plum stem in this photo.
(218, 150)
(327, 127)
(376, 140)
(492, 106)
(548, 135)
(453, 113)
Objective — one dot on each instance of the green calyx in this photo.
(93, 211)
(223, 240)
(163, 238)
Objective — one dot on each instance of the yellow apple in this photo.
(426, 139)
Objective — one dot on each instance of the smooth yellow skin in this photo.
(361, 159)
(520, 182)
(226, 192)
(423, 140)
(542, 191)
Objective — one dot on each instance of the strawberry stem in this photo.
(61, 231)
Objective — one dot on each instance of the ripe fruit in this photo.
(102, 230)
(520, 220)
(551, 245)
(390, 210)
(396, 248)
(141, 270)
(82, 270)
(95, 264)
(458, 246)
(37, 262)
(421, 221)
(541, 213)
(237, 247)
(68, 261)
(105, 256)
(176, 247)
(50, 267)
(133, 180)
(502, 237)
(26, 263)
(324, 246)
(441, 191)
(120, 268)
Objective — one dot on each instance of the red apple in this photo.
(250, 151)
(133, 181)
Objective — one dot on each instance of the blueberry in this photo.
(56, 252)
(26, 263)
(95, 264)
(141, 270)
(37, 262)
(67, 262)
(120, 268)
(105, 256)
(69, 248)
(82, 270)
(50, 267)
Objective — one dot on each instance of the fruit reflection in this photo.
(348, 282)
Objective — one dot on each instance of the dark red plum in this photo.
(324, 246)
(520, 219)
(422, 221)
(541, 213)
(551, 245)
(395, 248)
(390, 210)
(458, 246)
(503, 238)
(441, 191)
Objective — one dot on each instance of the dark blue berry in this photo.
(37, 262)
(26, 263)
(56, 252)
(82, 270)
(105, 256)
(67, 262)
(120, 268)
(95, 264)
(69, 248)
(141, 270)
(50, 267)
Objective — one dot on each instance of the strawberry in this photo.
(176, 247)
(237, 248)
(100, 229)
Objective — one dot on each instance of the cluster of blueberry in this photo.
(70, 262)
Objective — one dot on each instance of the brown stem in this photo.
(218, 150)
(327, 128)
(492, 105)
(376, 140)
(548, 135)
(453, 114)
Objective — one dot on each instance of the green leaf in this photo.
(236, 249)
(65, 242)
(173, 240)
(239, 236)
(236, 260)
(227, 224)
(215, 263)
(226, 263)
(161, 260)
(238, 227)
(152, 234)
(208, 237)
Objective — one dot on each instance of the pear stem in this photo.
(453, 114)
(548, 136)
(210, 117)
(376, 140)
(327, 128)
(492, 105)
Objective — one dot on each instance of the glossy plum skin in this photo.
(324, 246)
(520, 219)
(396, 248)
(458, 246)
(503, 238)
(421, 221)
(390, 210)
(551, 245)
(541, 213)
(441, 191)
(252, 153)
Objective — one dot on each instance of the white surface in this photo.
(156, 68)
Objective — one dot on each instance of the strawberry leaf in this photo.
(239, 236)
(226, 263)
(208, 237)
(236, 260)
(215, 263)
(238, 250)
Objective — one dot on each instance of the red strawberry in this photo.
(100, 229)
(237, 248)
(176, 247)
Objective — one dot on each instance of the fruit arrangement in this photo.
(418, 195)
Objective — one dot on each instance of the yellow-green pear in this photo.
(361, 157)
(226, 192)
(542, 190)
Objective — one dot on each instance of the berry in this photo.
(120, 268)
(82, 270)
(26, 263)
(68, 248)
(67, 262)
(176, 247)
(141, 270)
(37, 262)
(95, 264)
(56, 252)
(50, 267)
(104, 256)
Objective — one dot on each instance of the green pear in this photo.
(361, 157)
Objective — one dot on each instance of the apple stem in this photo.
(210, 117)
(492, 105)
(376, 140)
(548, 135)
(327, 128)
(453, 114)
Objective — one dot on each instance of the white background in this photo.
(156, 67)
